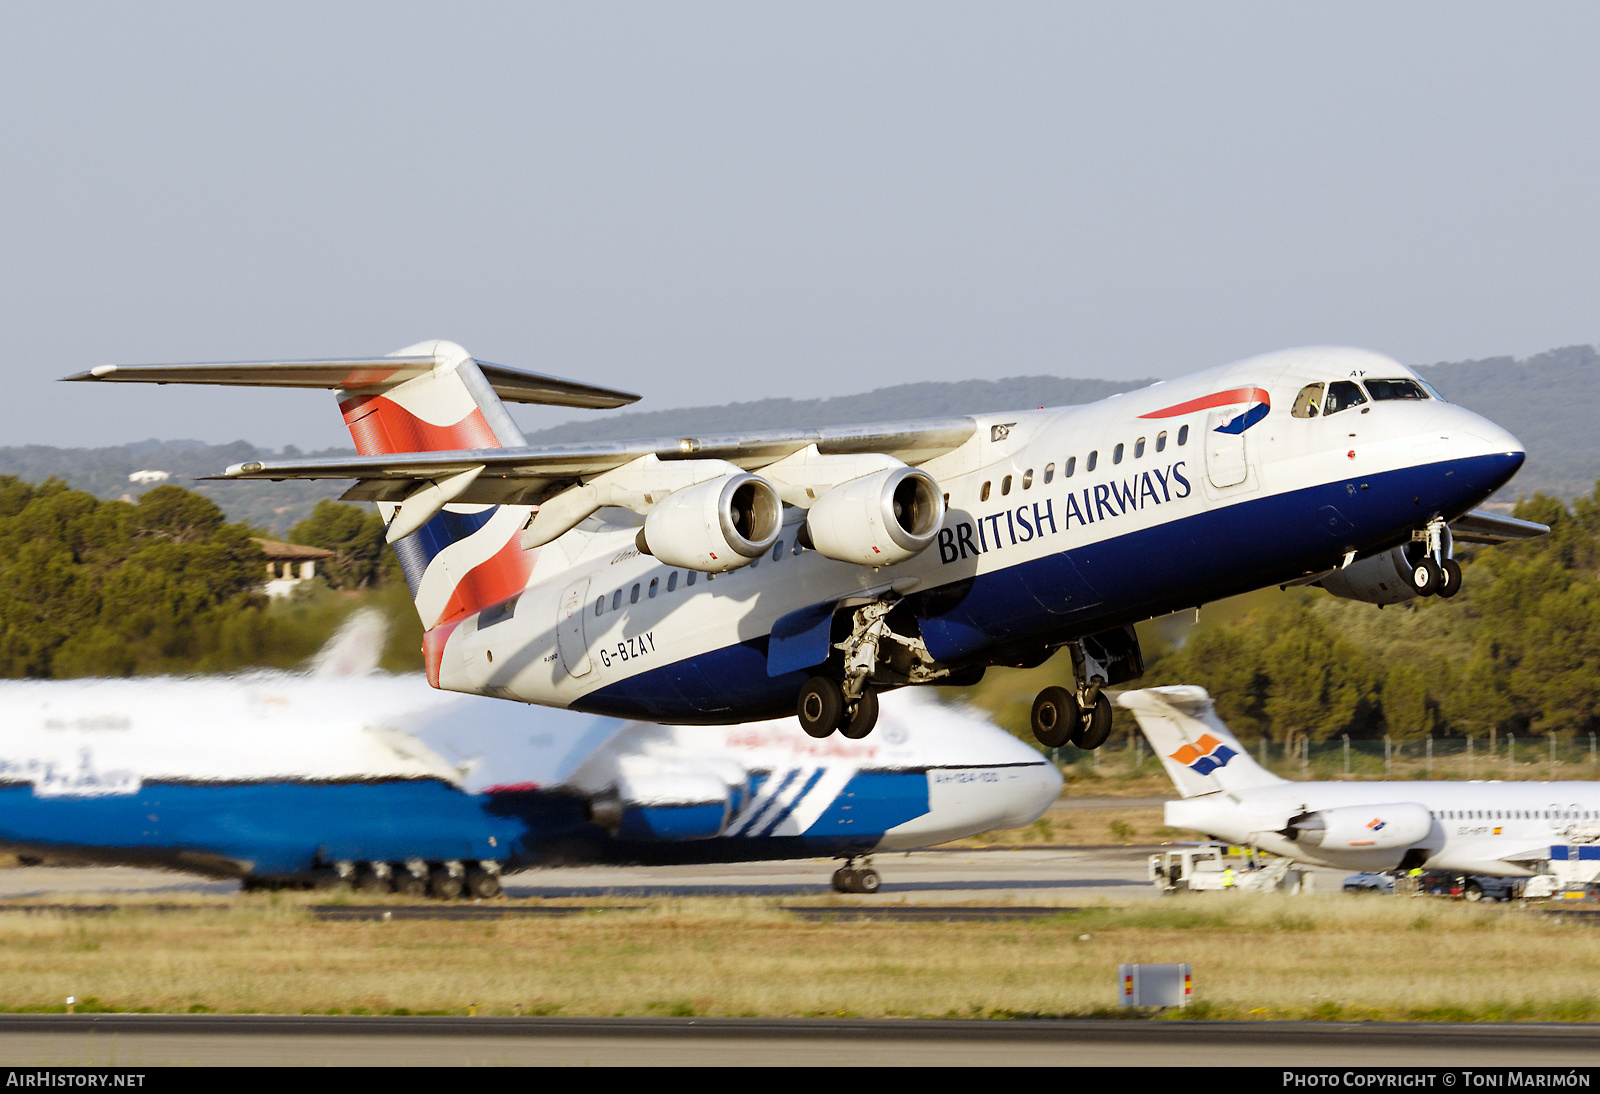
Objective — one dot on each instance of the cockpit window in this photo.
(1342, 395)
(1382, 390)
(1432, 391)
(1308, 402)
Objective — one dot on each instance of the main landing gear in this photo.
(851, 878)
(823, 709)
(1081, 716)
(1435, 573)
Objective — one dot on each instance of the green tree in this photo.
(355, 536)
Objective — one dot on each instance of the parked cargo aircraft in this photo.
(1497, 828)
(281, 778)
(726, 578)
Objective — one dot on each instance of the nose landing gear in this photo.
(1436, 573)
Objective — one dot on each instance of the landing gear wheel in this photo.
(369, 882)
(842, 877)
(863, 718)
(1096, 727)
(1056, 718)
(1472, 892)
(1426, 577)
(1450, 580)
(868, 881)
(481, 884)
(408, 884)
(444, 885)
(821, 707)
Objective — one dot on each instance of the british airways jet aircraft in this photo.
(1495, 828)
(720, 579)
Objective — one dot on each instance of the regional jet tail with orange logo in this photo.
(1505, 829)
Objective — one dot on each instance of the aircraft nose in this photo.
(1492, 452)
(1028, 803)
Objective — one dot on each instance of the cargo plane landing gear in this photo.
(851, 878)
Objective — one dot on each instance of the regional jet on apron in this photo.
(720, 579)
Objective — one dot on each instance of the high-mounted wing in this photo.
(529, 476)
(1479, 526)
(361, 373)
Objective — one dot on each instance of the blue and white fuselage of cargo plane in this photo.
(1505, 829)
(278, 777)
(719, 579)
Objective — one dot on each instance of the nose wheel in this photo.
(1435, 573)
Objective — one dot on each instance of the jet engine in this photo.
(878, 519)
(716, 526)
(1355, 829)
(1381, 579)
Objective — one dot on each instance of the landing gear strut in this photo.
(850, 878)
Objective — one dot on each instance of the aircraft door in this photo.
(1225, 456)
(570, 640)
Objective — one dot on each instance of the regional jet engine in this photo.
(716, 526)
(1356, 829)
(879, 519)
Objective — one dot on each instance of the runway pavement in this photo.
(1034, 876)
(132, 1041)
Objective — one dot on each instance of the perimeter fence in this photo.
(1503, 757)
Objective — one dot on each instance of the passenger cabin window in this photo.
(1027, 478)
(1161, 441)
(1071, 466)
(688, 578)
(600, 606)
(983, 494)
(777, 550)
(1384, 390)
(1342, 395)
(1049, 473)
(633, 597)
(1138, 448)
(616, 600)
(1308, 403)
(1116, 454)
(672, 581)
(1005, 486)
(655, 583)
(1183, 436)
(1094, 458)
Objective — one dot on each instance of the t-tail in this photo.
(459, 555)
(1200, 754)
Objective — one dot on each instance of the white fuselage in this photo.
(1477, 827)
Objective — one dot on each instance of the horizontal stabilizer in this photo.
(358, 373)
(1481, 527)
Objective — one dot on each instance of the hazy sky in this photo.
(710, 202)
